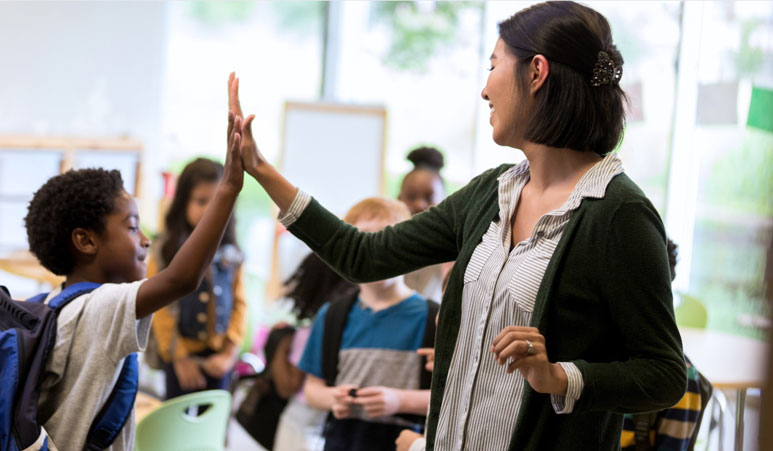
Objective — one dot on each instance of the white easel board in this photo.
(334, 152)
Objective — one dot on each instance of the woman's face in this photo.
(420, 190)
(501, 95)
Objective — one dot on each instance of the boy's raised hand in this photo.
(281, 191)
(251, 156)
(188, 267)
(233, 171)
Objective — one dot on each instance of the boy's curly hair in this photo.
(79, 198)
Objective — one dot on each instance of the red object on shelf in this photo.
(170, 183)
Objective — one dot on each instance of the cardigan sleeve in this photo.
(427, 238)
(434, 236)
(637, 289)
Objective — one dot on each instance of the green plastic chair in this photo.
(171, 428)
(691, 312)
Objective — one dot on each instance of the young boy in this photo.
(378, 368)
(83, 225)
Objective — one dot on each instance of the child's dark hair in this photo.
(581, 105)
(177, 229)
(76, 199)
(313, 284)
(426, 157)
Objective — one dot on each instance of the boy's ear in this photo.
(84, 241)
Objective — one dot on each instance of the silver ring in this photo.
(530, 349)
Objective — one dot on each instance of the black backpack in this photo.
(27, 337)
(335, 322)
(260, 411)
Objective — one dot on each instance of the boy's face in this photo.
(122, 246)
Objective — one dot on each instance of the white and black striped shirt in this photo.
(481, 401)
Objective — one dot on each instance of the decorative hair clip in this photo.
(605, 71)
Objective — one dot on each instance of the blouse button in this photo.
(217, 290)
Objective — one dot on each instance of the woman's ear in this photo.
(84, 241)
(539, 68)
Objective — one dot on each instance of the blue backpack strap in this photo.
(67, 295)
(70, 293)
(117, 409)
(38, 298)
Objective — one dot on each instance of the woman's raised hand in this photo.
(281, 191)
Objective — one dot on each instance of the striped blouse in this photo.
(481, 401)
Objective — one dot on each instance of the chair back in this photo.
(174, 427)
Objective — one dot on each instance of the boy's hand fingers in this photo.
(369, 392)
(231, 117)
(429, 353)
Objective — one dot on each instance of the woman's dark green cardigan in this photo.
(604, 302)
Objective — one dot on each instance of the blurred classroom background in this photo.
(141, 87)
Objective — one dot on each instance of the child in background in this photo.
(422, 188)
(311, 285)
(85, 226)
(378, 369)
(198, 337)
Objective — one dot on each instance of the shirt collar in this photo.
(592, 184)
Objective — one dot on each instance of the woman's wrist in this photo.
(260, 170)
(560, 380)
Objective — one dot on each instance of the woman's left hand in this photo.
(523, 349)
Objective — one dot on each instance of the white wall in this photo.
(86, 69)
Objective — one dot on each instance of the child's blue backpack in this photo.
(27, 336)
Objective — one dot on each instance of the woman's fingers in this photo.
(231, 117)
(233, 95)
(513, 333)
(515, 349)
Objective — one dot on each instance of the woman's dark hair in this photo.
(571, 109)
(177, 229)
(313, 284)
